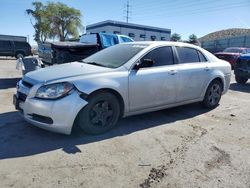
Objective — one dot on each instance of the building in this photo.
(135, 31)
(14, 38)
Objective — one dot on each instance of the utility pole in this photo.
(128, 6)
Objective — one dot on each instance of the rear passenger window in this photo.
(202, 57)
(5, 44)
(21, 44)
(187, 55)
(161, 56)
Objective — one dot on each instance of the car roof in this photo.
(154, 44)
(167, 43)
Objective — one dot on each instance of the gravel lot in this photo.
(186, 146)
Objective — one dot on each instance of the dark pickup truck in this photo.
(64, 52)
(14, 48)
(242, 69)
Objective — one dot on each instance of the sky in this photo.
(184, 17)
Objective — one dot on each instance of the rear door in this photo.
(156, 85)
(6, 48)
(193, 71)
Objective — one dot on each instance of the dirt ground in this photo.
(186, 146)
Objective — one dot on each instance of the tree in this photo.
(65, 21)
(193, 39)
(175, 37)
(40, 21)
(54, 20)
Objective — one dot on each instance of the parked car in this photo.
(64, 52)
(15, 48)
(123, 80)
(242, 69)
(231, 54)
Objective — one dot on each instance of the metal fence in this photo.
(219, 45)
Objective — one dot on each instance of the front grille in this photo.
(27, 84)
(21, 96)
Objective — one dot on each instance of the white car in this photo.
(123, 80)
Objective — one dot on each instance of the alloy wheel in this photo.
(214, 94)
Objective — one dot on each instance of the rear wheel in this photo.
(240, 79)
(100, 115)
(213, 94)
(19, 55)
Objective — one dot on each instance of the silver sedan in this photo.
(123, 80)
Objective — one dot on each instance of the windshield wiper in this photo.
(94, 63)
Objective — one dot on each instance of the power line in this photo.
(197, 11)
(165, 4)
(174, 13)
(173, 6)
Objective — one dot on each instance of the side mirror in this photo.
(144, 63)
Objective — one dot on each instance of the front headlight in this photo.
(54, 91)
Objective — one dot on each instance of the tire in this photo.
(240, 79)
(100, 115)
(213, 95)
(19, 55)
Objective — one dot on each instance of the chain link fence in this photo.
(219, 45)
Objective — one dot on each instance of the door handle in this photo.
(173, 72)
(206, 69)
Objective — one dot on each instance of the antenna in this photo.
(128, 6)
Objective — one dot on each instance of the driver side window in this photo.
(160, 57)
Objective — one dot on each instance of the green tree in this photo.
(65, 21)
(54, 20)
(193, 39)
(40, 22)
(175, 37)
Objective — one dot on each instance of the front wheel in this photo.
(240, 79)
(101, 114)
(213, 94)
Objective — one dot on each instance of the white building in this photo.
(135, 31)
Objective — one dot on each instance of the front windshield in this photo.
(233, 50)
(115, 56)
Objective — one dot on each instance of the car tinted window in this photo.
(5, 44)
(21, 44)
(202, 57)
(187, 55)
(160, 56)
(115, 56)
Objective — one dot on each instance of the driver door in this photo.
(156, 85)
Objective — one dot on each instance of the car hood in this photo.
(64, 71)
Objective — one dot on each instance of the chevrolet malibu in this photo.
(123, 80)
